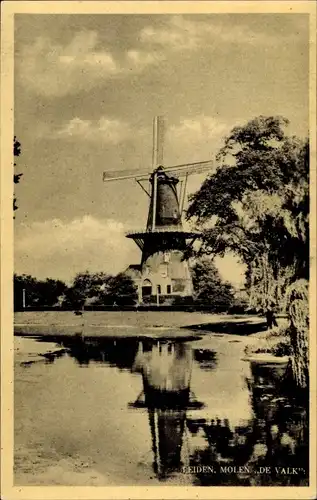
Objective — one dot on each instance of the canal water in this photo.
(143, 411)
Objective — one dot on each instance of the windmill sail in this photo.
(175, 170)
(158, 141)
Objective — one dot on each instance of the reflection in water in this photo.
(274, 433)
(274, 440)
(280, 421)
(166, 372)
(114, 352)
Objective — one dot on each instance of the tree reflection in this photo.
(275, 440)
(119, 352)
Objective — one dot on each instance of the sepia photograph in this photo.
(163, 249)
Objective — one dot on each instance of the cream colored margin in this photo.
(9, 8)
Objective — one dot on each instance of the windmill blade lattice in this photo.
(176, 170)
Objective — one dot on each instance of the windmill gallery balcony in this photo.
(164, 234)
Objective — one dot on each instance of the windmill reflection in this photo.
(166, 372)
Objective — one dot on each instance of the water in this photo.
(138, 411)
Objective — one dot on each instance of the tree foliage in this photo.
(86, 289)
(122, 289)
(257, 205)
(297, 304)
(209, 288)
(100, 289)
(37, 292)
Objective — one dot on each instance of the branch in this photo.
(16, 178)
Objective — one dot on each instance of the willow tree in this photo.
(256, 205)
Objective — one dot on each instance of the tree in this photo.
(37, 292)
(122, 290)
(16, 177)
(73, 298)
(100, 289)
(297, 303)
(49, 291)
(209, 289)
(91, 284)
(86, 287)
(27, 283)
(257, 205)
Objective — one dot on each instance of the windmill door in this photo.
(146, 288)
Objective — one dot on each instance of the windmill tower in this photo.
(162, 271)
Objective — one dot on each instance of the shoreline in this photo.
(127, 324)
(259, 343)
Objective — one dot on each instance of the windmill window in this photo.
(168, 289)
(167, 257)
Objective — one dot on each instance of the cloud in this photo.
(181, 34)
(138, 59)
(56, 70)
(194, 131)
(196, 138)
(199, 128)
(193, 139)
(172, 36)
(59, 249)
(105, 129)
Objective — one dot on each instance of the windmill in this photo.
(162, 271)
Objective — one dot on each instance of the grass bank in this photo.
(273, 342)
(103, 322)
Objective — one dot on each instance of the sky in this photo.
(86, 90)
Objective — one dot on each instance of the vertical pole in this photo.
(154, 200)
(158, 141)
(140, 348)
(157, 296)
(154, 166)
(155, 142)
(183, 194)
(157, 158)
(23, 298)
(180, 192)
